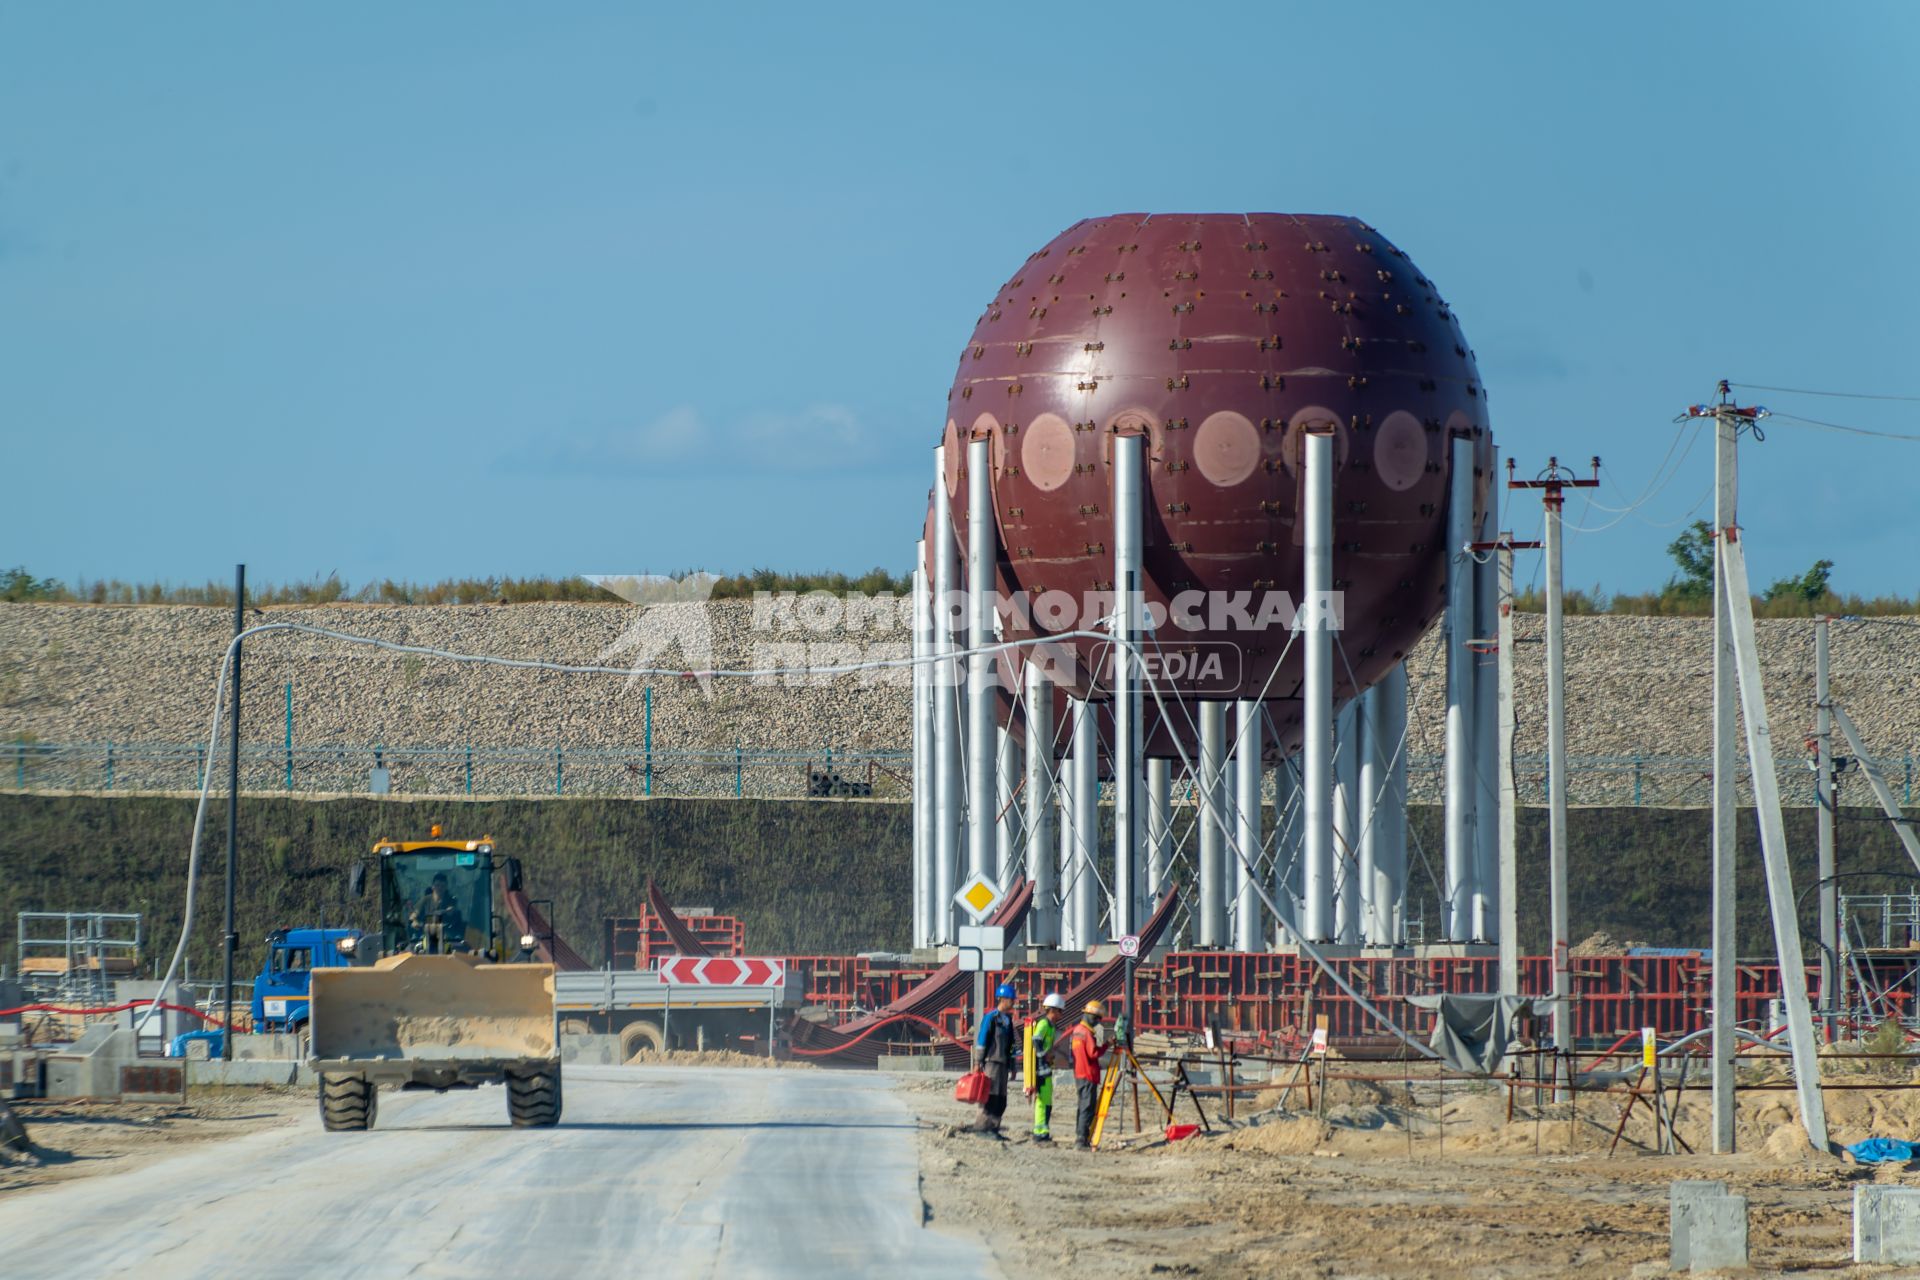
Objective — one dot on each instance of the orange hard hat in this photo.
(1093, 1007)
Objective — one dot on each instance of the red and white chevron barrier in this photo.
(722, 971)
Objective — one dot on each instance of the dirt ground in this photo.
(715, 1058)
(1396, 1180)
(76, 1139)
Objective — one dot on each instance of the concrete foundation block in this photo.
(278, 1046)
(90, 1066)
(1708, 1227)
(591, 1050)
(241, 1071)
(1886, 1224)
(23, 1073)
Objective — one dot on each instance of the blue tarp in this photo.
(1883, 1151)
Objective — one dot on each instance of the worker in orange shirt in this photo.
(1087, 1053)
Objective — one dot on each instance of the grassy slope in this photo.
(822, 877)
(807, 876)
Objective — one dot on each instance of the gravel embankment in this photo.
(75, 673)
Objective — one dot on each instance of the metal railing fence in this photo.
(760, 772)
(738, 771)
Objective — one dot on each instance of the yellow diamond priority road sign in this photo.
(978, 897)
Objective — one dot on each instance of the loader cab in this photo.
(437, 897)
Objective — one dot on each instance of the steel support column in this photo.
(1288, 862)
(1249, 742)
(1069, 843)
(1128, 815)
(1043, 917)
(1386, 737)
(1159, 826)
(1006, 827)
(947, 689)
(1347, 810)
(1319, 622)
(1369, 775)
(1085, 894)
(983, 767)
(1211, 931)
(923, 872)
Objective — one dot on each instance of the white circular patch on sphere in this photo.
(1226, 448)
(1400, 451)
(1046, 451)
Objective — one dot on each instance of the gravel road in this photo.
(658, 1170)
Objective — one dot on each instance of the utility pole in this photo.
(1733, 611)
(1461, 845)
(1553, 483)
(1502, 548)
(1825, 799)
(1726, 473)
(233, 806)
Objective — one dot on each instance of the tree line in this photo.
(1688, 593)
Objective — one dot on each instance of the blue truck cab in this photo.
(280, 993)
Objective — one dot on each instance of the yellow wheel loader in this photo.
(435, 999)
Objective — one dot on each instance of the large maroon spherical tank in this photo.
(1221, 338)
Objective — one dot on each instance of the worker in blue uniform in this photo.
(995, 1047)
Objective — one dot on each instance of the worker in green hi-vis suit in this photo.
(1042, 1036)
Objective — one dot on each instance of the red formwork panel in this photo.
(839, 983)
(1276, 1000)
(635, 942)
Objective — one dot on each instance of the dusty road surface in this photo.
(657, 1171)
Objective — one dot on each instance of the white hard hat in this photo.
(1054, 1001)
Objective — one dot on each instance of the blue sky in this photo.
(433, 290)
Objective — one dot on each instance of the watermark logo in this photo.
(818, 638)
(1206, 667)
(821, 638)
(671, 628)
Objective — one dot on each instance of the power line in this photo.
(1842, 395)
(1841, 426)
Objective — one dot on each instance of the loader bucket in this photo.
(434, 1008)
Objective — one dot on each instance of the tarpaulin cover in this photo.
(1882, 1151)
(1473, 1033)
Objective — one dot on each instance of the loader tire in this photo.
(533, 1101)
(347, 1103)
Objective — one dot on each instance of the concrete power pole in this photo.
(1733, 602)
(1553, 483)
(1726, 483)
(1826, 798)
(1501, 548)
